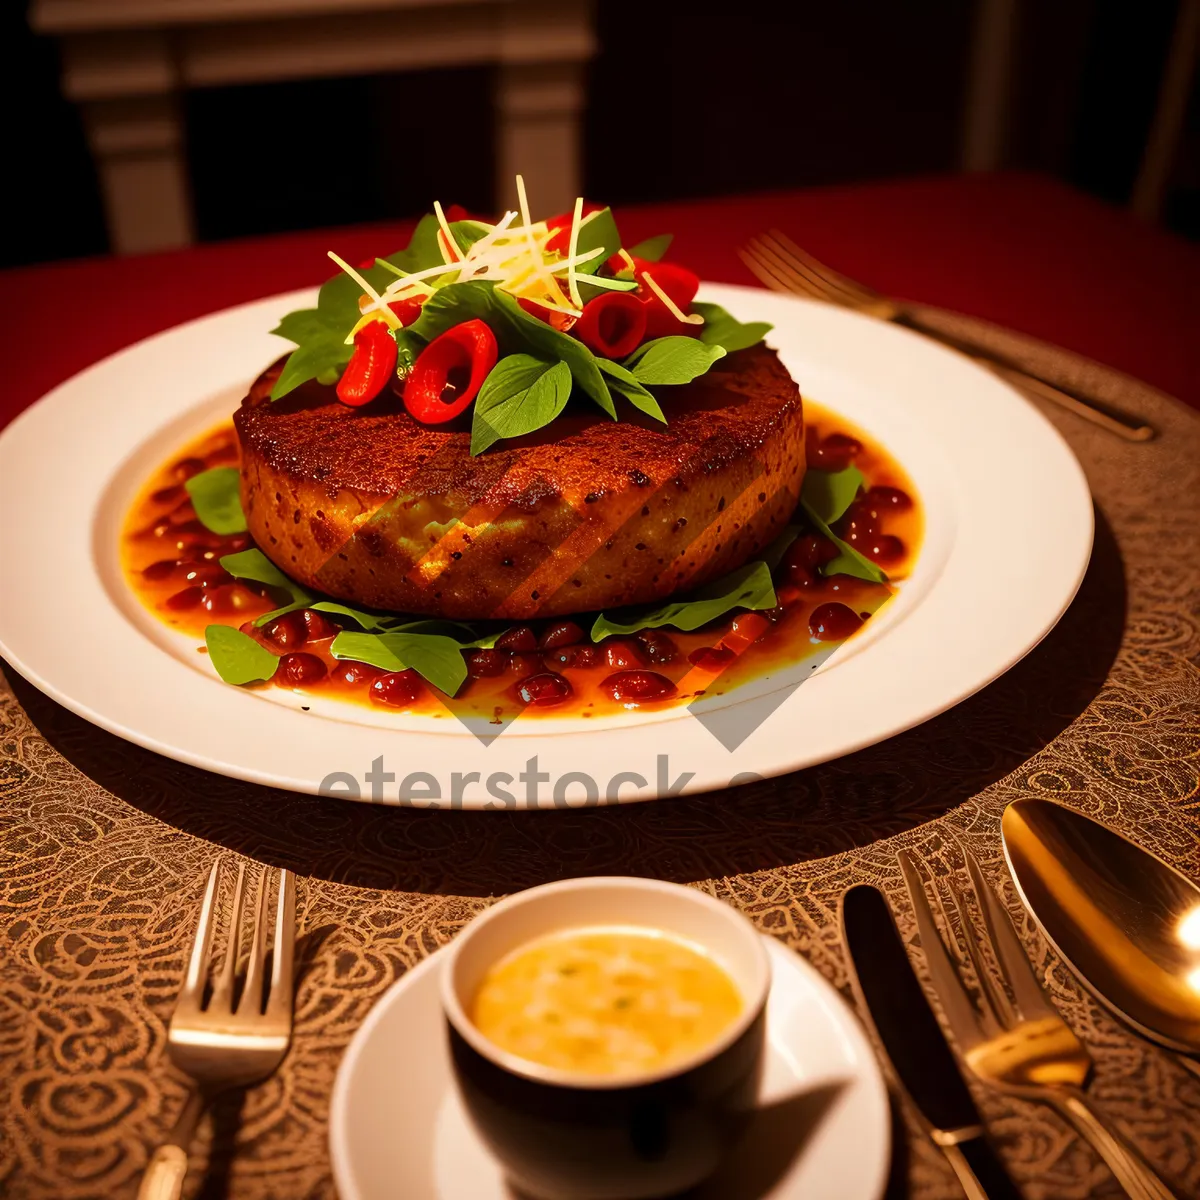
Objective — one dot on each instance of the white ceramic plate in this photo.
(1007, 539)
(397, 1128)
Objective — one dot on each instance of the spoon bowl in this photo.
(1126, 923)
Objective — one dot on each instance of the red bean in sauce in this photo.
(833, 622)
(885, 548)
(622, 654)
(632, 686)
(318, 626)
(287, 632)
(520, 638)
(544, 689)
(580, 657)
(560, 633)
(294, 670)
(657, 647)
(398, 689)
(483, 664)
(354, 673)
(889, 499)
(711, 658)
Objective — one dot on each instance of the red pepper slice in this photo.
(554, 317)
(370, 366)
(678, 282)
(406, 310)
(560, 243)
(449, 372)
(612, 325)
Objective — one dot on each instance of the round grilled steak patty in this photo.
(374, 508)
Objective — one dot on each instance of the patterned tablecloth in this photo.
(104, 848)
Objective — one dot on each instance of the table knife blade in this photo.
(921, 1061)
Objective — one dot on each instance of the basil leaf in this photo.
(424, 251)
(516, 330)
(237, 657)
(520, 394)
(722, 329)
(652, 249)
(254, 565)
(364, 620)
(848, 560)
(772, 554)
(672, 360)
(598, 232)
(830, 493)
(217, 498)
(435, 658)
(320, 355)
(748, 587)
(625, 382)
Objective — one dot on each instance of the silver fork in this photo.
(219, 1041)
(784, 267)
(1013, 1039)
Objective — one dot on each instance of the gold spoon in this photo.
(1126, 923)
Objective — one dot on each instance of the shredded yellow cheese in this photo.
(672, 307)
(512, 254)
(572, 249)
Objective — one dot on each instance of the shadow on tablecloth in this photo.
(838, 806)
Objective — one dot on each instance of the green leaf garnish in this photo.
(517, 331)
(320, 333)
(217, 498)
(672, 360)
(321, 352)
(747, 587)
(722, 329)
(830, 493)
(364, 620)
(848, 560)
(625, 382)
(599, 232)
(653, 248)
(520, 394)
(237, 657)
(254, 565)
(433, 656)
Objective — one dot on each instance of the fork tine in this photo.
(859, 293)
(192, 991)
(222, 995)
(956, 1003)
(989, 1020)
(815, 282)
(252, 993)
(990, 990)
(790, 279)
(1032, 1001)
(752, 256)
(279, 1002)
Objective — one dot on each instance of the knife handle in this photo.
(980, 1171)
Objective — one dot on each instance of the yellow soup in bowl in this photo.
(606, 1001)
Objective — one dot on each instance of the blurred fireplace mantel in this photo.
(125, 63)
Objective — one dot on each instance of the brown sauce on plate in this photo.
(548, 667)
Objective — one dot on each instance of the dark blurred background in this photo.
(683, 100)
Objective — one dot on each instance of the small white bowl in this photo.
(571, 1136)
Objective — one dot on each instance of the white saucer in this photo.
(397, 1129)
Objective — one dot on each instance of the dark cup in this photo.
(564, 1135)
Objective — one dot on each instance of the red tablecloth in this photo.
(1020, 250)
